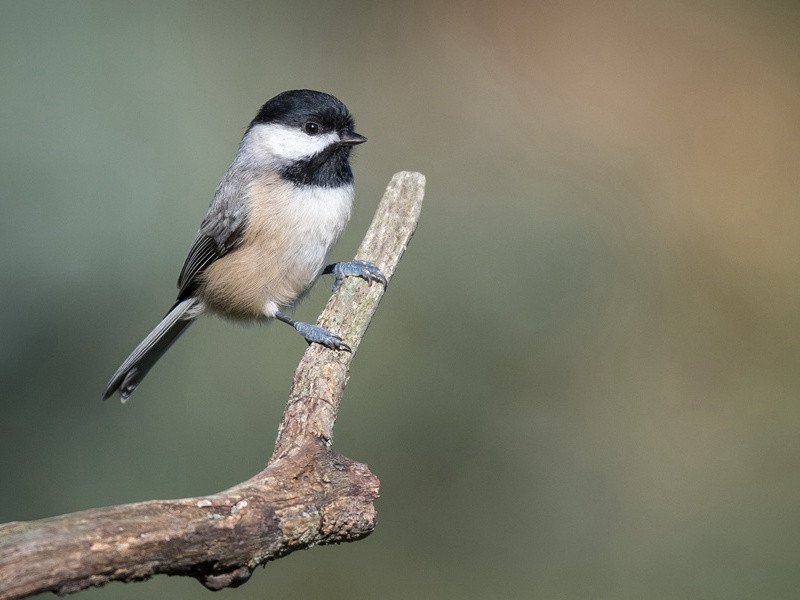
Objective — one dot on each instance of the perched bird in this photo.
(269, 231)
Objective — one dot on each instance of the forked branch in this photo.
(307, 494)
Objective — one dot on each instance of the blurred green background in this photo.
(583, 382)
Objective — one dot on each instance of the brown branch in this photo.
(307, 495)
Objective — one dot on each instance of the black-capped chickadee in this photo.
(268, 233)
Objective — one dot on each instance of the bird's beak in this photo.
(351, 138)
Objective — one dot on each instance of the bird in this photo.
(269, 231)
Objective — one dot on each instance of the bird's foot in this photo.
(315, 334)
(355, 268)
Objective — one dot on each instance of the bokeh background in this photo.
(583, 382)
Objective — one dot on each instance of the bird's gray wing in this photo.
(221, 231)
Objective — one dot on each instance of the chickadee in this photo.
(266, 238)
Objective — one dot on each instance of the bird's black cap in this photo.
(296, 107)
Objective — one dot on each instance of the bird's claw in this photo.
(357, 268)
(316, 334)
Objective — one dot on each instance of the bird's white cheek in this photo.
(285, 144)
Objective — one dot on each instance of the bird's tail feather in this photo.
(145, 355)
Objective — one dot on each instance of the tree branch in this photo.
(307, 494)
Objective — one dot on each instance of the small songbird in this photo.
(269, 231)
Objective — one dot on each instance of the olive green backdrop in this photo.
(583, 382)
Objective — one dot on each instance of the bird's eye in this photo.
(311, 128)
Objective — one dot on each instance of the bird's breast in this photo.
(290, 233)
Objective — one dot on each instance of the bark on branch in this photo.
(307, 494)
